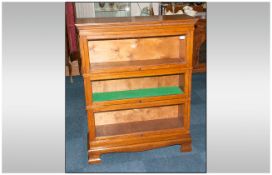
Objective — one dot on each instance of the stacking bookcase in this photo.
(137, 75)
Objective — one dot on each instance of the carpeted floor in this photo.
(168, 159)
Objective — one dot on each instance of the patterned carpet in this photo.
(168, 159)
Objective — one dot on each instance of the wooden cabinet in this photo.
(137, 75)
(199, 54)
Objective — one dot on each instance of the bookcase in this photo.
(137, 75)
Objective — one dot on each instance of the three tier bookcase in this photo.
(137, 80)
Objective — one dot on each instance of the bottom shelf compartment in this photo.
(138, 126)
(129, 121)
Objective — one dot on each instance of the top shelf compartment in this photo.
(134, 57)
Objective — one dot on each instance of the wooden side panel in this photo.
(133, 115)
(135, 49)
(136, 83)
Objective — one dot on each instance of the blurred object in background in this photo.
(72, 46)
(147, 11)
(116, 9)
(111, 9)
(197, 10)
(101, 4)
(188, 10)
(151, 11)
(200, 46)
(177, 8)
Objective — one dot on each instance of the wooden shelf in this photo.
(123, 69)
(138, 93)
(141, 126)
(121, 66)
(137, 102)
(140, 98)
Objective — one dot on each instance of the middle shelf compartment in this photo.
(138, 92)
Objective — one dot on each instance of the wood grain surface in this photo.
(133, 115)
(135, 49)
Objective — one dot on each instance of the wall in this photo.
(84, 10)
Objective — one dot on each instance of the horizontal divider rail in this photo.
(126, 69)
(136, 104)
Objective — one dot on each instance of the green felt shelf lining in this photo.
(138, 93)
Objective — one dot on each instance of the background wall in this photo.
(84, 10)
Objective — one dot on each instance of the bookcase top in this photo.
(84, 22)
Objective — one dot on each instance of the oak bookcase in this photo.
(137, 79)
